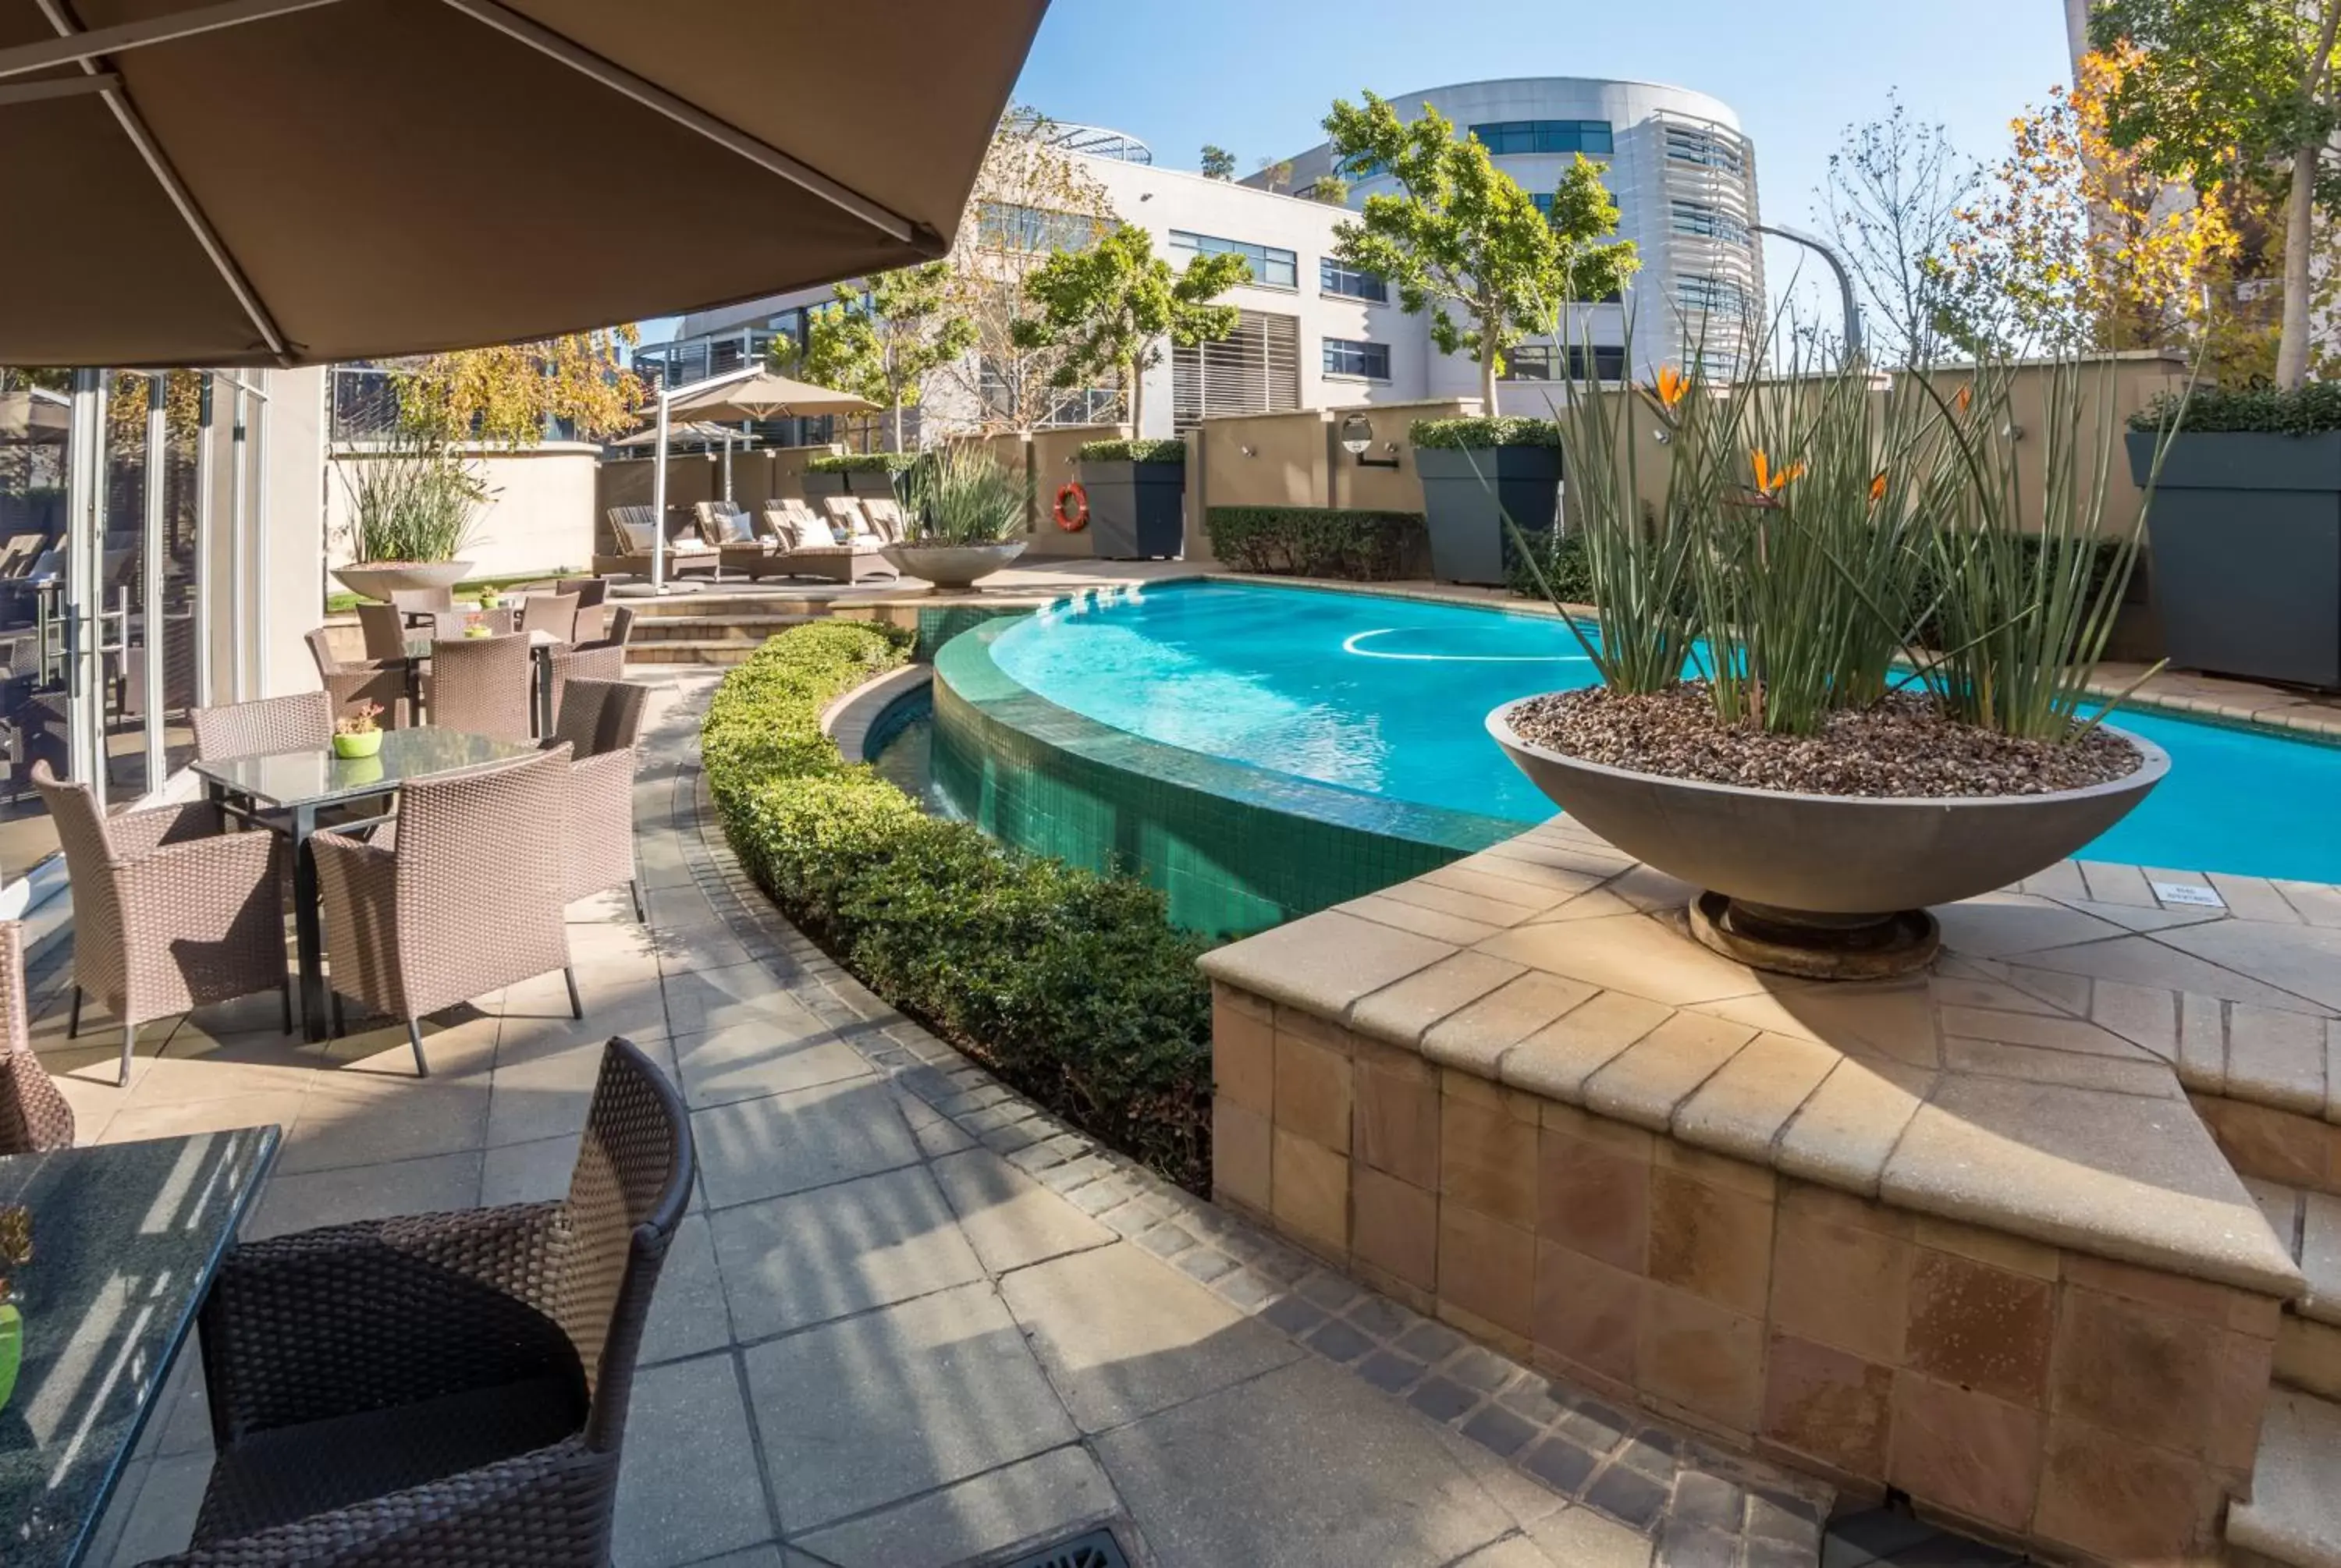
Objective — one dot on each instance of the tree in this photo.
(2074, 244)
(883, 345)
(1218, 163)
(1112, 305)
(2238, 92)
(1331, 189)
(1030, 199)
(1276, 174)
(1896, 187)
(507, 395)
(1464, 238)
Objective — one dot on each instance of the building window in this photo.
(1254, 369)
(1691, 145)
(1541, 363)
(1591, 136)
(1707, 222)
(1276, 269)
(1702, 293)
(1009, 226)
(1333, 277)
(1055, 405)
(1349, 357)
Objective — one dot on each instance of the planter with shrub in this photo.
(1476, 473)
(1073, 987)
(870, 474)
(965, 510)
(1317, 541)
(2245, 537)
(1138, 497)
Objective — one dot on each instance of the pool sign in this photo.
(2190, 893)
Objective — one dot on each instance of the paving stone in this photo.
(688, 1489)
(1198, 1480)
(1581, 1538)
(1050, 1494)
(1442, 1399)
(1761, 1552)
(783, 1144)
(1203, 1263)
(1009, 1218)
(788, 1050)
(1681, 1547)
(1480, 1368)
(1499, 1430)
(1561, 1465)
(1329, 1290)
(1381, 1318)
(871, 1410)
(1122, 1336)
(1596, 1426)
(1706, 1502)
(1336, 1340)
(1246, 1291)
(688, 1315)
(291, 1203)
(1533, 1400)
(1627, 1496)
(1292, 1315)
(1165, 1240)
(790, 1262)
(1431, 1342)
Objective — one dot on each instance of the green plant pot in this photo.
(349, 747)
(11, 1351)
(479, 631)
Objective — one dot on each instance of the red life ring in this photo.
(1079, 519)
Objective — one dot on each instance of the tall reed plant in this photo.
(412, 497)
(961, 494)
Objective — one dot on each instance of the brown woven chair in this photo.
(601, 722)
(383, 682)
(423, 601)
(470, 899)
(448, 1390)
(592, 616)
(301, 723)
(384, 627)
(481, 684)
(554, 612)
(617, 631)
(633, 532)
(169, 913)
(568, 664)
(33, 1116)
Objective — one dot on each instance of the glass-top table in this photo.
(126, 1241)
(284, 791)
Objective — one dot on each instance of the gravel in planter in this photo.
(1905, 746)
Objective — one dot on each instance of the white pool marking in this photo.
(1349, 645)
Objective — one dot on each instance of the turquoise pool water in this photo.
(1388, 696)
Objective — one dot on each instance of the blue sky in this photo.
(1256, 76)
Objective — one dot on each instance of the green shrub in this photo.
(861, 463)
(1504, 430)
(1563, 561)
(2310, 409)
(1315, 541)
(1073, 987)
(1132, 451)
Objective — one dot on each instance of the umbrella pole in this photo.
(658, 504)
(727, 467)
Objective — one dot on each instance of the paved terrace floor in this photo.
(909, 1320)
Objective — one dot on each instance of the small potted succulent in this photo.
(358, 734)
(477, 626)
(492, 599)
(15, 1251)
(965, 509)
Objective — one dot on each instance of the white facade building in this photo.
(1316, 335)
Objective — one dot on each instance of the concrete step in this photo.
(2294, 1514)
(702, 651)
(2308, 1340)
(715, 628)
(698, 606)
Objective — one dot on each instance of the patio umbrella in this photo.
(696, 430)
(287, 182)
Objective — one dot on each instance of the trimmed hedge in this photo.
(1562, 564)
(1504, 430)
(1315, 541)
(2310, 409)
(1132, 451)
(1073, 987)
(861, 463)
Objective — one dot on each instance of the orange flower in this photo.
(1672, 385)
(1877, 487)
(1770, 482)
(1965, 396)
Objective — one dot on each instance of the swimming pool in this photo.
(1386, 698)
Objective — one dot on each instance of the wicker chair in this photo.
(554, 612)
(33, 1116)
(169, 913)
(423, 601)
(301, 723)
(592, 616)
(602, 662)
(471, 899)
(482, 684)
(617, 631)
(601, 722)
(385, 626)
(479, 1421)
(383, 682)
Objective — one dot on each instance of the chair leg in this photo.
(340, 1028)
(641, 914)
(576, 1002)
(414, 1038)
(73, 1022)
(129, 1043)
(285, 991)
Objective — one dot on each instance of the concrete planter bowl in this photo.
(380, 580)
(951, 567)
(1831, 887)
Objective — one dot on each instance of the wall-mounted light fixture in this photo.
(1358, 438)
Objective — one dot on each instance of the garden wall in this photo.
(540, 514)
(1052, 461)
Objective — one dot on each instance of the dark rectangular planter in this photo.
(1466, 496)
(2245, 535)
(1137, 511)
(874, 482)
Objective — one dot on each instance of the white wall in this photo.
(539, 517)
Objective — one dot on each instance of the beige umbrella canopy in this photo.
(700, 431)
(284, 181)
(765, 396)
